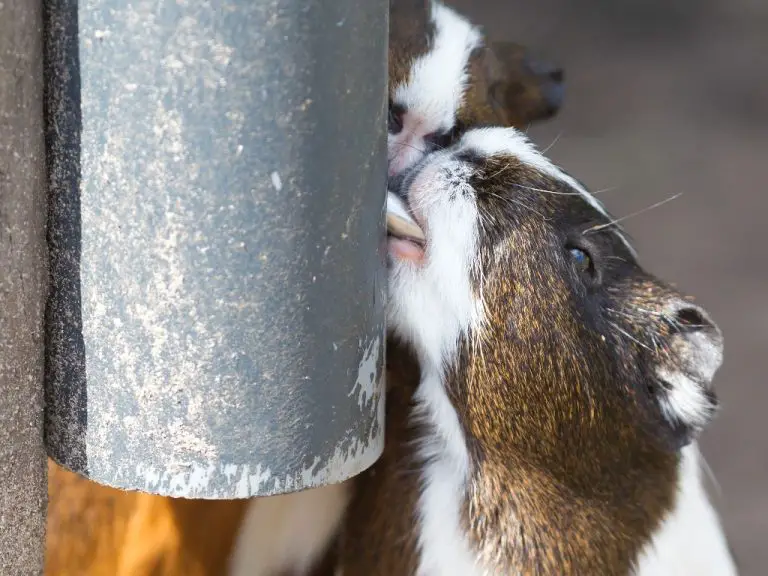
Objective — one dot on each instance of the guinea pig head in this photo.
(444, 76)
(574, 374)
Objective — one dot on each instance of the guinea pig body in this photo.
(560, 387)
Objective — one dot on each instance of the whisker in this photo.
(402, 145)
(413, 133)
(711, 474)
(651, 312)
(634, 320)
(518, 203)
(656, 343)
(501, 170)
(548, 148)
(663, 315)
(628, 335)
(547, 191)
(621, 313)
(631, 215)
(410, 132)
(604, 190)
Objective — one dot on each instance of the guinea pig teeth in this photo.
(400, 223)
(404, 229)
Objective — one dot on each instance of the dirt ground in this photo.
(665, 97)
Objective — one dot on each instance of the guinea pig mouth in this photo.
(405, 237)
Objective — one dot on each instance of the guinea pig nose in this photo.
(691, 318)
(550, 82)
(544, 70)
(556, 75)
(553, 95)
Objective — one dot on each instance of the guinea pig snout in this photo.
(551, 82)
(554, 94)
(692, 355)
(697, 341)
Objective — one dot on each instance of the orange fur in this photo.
(94, 530)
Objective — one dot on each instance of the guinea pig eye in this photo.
(395, 120)
(444, 139)
(582, 260)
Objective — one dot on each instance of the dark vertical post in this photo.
(22, 289)
(216, 321)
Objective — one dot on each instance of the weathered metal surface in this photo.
(216, 327)
(22, 289)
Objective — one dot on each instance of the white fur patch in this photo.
(288, 533)
(444, 550)
(691, 539)
(685, 400)
(432, 305)
(435, 88)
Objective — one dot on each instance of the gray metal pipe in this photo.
(23, 277)
(216, 321)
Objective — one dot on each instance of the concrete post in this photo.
(23, 280)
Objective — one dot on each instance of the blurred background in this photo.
(662, 97)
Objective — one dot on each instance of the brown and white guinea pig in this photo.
(560, 387)
(444, 75)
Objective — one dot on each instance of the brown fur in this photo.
(557, 448)
(503, 90)
(410, 36)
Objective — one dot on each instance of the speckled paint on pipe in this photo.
(217, 172)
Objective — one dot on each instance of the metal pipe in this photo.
(23, 279)
(216, 320)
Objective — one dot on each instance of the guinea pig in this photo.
(444, 75)
(545, 422)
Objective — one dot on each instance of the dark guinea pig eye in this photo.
(582, 260)
(444, 139)
(395, 121)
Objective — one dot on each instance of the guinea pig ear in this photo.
(682, 379)
(521, 87)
